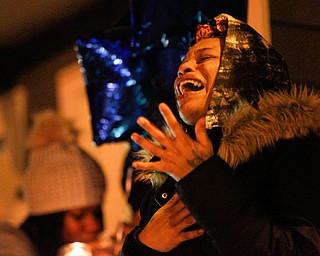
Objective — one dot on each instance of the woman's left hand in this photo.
(178, 155)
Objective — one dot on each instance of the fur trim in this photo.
(280, 115)
(154, 177)
(49, 127)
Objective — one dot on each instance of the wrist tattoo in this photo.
(196, 161)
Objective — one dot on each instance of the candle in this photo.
(75, 249)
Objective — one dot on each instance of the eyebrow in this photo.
(198, 51)
(204, 49)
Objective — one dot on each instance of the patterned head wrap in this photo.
(249, 66)
(217, 27)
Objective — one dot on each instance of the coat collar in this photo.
(279, 115)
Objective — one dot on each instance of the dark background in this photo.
(35, 30)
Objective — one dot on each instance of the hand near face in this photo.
(165, 230)
(180, 154)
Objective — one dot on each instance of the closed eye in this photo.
(206, 58)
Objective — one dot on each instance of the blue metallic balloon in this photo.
(115, 95)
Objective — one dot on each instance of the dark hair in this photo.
(45, 232)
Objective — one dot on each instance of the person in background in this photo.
(13, 242)
(64, 187)
(242, 163)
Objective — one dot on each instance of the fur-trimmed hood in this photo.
(279, 115)
(249, 66)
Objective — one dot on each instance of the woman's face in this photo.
(82, 225)
(196, 77)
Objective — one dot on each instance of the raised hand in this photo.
(179, 154)
(165, 230)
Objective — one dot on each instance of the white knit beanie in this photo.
(59, 176)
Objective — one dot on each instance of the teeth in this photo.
(183, 89)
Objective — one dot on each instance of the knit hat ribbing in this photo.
(60, 176)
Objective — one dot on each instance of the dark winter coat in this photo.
(260, 191)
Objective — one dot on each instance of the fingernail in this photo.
(200, 231)
(133, 137)
(141, 121)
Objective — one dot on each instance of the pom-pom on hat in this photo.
(60, 176)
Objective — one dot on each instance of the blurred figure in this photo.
(64, 187)
(13, 242)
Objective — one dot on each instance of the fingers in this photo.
(170, 119)
(147, 144)
(150, 128)
(201, 132)
(155, 133)
(181, 217)
(178, 155)
(183, 221)
(200, 129)
(152, 148)
(192, 234)
(176, 207)
(182, 225)
(169, 223)
(202, 136)
(172, 202)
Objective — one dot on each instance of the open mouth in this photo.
(190, 85)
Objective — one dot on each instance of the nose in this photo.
(182, 72)
(185, 68)
(92, 224)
